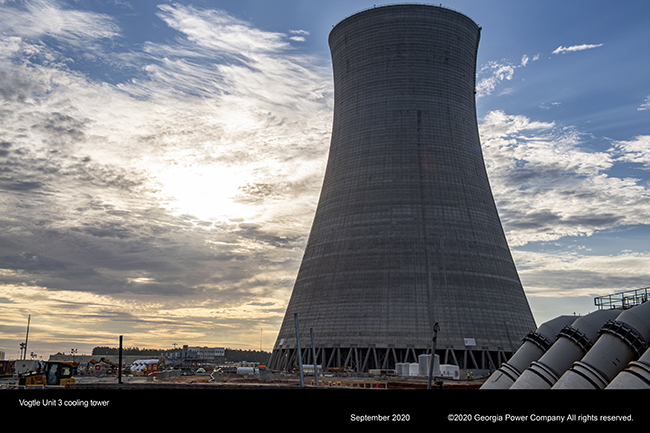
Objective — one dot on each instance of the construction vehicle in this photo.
(55, 373)
(105, 365)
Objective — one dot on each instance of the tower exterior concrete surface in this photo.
(406, 233)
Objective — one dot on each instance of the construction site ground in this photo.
(280, 382)
(245, 381)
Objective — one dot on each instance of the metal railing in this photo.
(623, 300)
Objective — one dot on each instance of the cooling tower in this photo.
(406, 233)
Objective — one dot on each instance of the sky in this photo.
(161, 162)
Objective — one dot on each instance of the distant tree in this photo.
(105, 350)
(239, 355)
(232, 355)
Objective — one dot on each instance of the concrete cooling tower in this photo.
(406, 233)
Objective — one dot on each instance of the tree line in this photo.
(232, 355)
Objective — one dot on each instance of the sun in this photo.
(206, 192)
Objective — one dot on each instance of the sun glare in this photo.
(205, 192)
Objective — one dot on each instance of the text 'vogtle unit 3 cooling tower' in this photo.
(406, 233)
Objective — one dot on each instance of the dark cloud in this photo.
(254, 193)
(15, 86)
(59, 126)
(31, 262)
(19, 185)
(106, 230)
(580, 276)
(549, 221)
(4, 152)
(149, 257)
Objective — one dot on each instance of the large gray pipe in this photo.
(534, 346)
(621, 341)
(635, 376)
(573, 342)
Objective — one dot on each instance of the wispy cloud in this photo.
(645, 105)
(494, 73)
(300, 35)
(38, 18)
(497, 72)
(635, 151)
(216, 30)
(563, 50)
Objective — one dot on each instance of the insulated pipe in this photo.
(534, 346)
(573, 342)
(635, 376)
(621, 341)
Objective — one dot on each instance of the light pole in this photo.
(436, 328)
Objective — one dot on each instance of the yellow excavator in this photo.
(113, 366)
(55, 373)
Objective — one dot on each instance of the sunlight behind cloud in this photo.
(205, 192)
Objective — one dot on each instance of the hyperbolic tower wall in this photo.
(406, 233)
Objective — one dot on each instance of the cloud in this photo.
(47, 18)
(220, 32)
(565, 279)
(498, 72)
(563, 50)
(187, 189)
(547, 107)
(547, 186)
(567, 273)
(300, 35)
(553, 192)
(645, 105)
(635, 151)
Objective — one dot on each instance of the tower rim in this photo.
(358, 14)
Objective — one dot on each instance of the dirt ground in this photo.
(337, 382)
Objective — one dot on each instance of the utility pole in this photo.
(302, 377)
(436, 328)
(119, 367)
(313, 351)
(24, 347)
